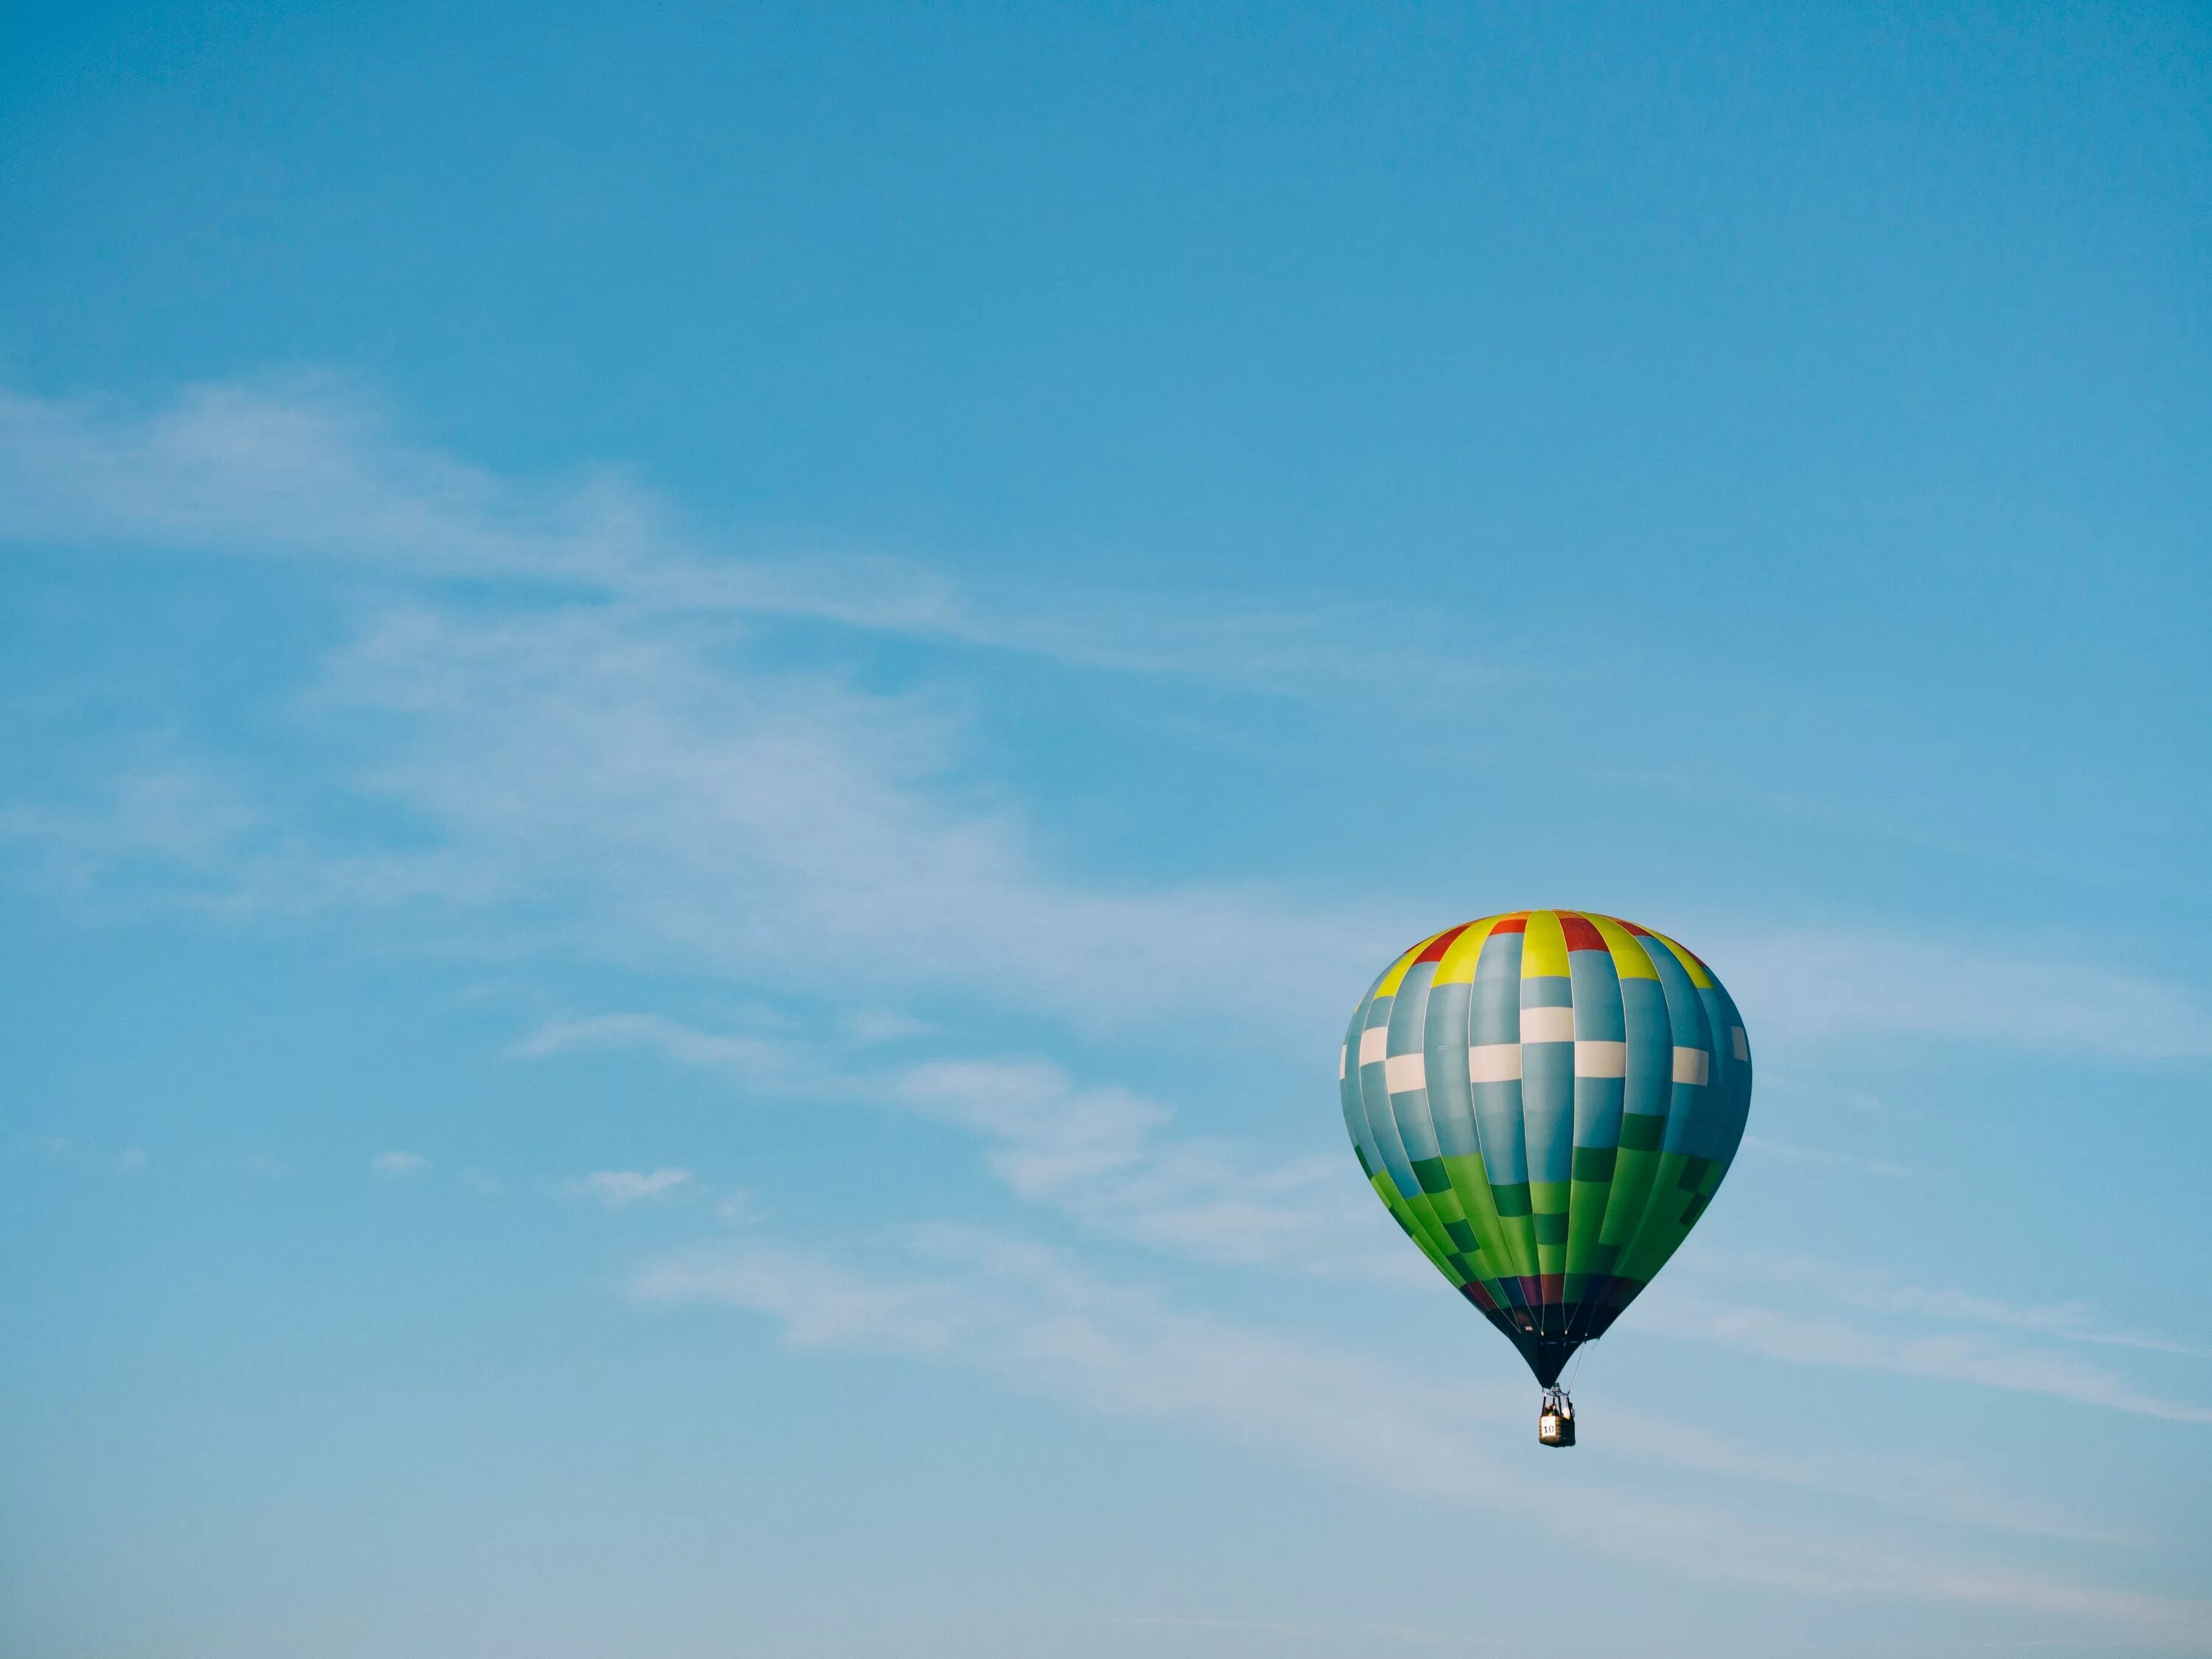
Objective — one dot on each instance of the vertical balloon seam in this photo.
(1450, 1077)
(1383, 1123)
(1408, 1106)
(1439, 1119)
(1635, 1271)
(1667, 1218)
(1380, 1177)
(1347, 1089)
(1596, 1129)
(1499, 1130)
(1547, 1110)
(1647, 1070)
(1718, 1009)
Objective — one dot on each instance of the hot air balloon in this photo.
(1547, 1101)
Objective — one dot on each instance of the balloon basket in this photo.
(1555, 1422)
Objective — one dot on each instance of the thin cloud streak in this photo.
(1951, 1355)
(303, 468)
(623, 748)
(1100, 1155)
(1807, 986)
(2071, 1322)
(1027, 1317)
(618, 1189)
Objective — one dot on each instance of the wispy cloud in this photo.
(757, 1059)
(612, 766)
(583, 778)
(398, 1165)
(1883, 1293)
(1036, 1322)
(304, 468)
(1802, 984)
(1953, 1355)
(617, 1189)
(1102, 1155)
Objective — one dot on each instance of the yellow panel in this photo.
(1690, 965)
(1546, 950)
(1628, 958)
(1387, 985)
(1457, 965)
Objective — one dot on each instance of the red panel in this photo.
(1641, 933)
(1442, 943)
(1581, 936)
(1516, 923)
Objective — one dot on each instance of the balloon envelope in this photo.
(1547, 1101)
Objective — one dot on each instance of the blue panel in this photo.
(1375, 1096)
(1547, 991)
(1686, 1013)
(1596, 997)
(1547, 1086)
(1651, 1045)
(1355, 1110)
(1408, 1017)
(1717, 1128)
(1598, 1018)
(1496, 1013)
(1451, 1102)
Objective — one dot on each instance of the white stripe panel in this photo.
(1404, 1071)
(1494, 1062)
(1374, 1044)
(1601, 1059)
(1343, 1058)
(1548, 1025)
(1742, 1044)
(1693, 1066)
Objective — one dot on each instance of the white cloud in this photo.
(618, 1189)
(759, 1059)
(871, 1026)
(1802, 984)
(1102, 1157)
(303, 468)
(1031, 1320)
(1947, 1356)
(1099, 1154)
(588, 779)
(1883, 1293)
(737, 1208)
(398, 1166)
(616, 774)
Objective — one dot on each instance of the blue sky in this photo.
(708, 717)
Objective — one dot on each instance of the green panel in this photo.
(1471, 1184)
(1585, 1220)
(1630, 1195)
(1643, 1132)
(1593, 1166)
